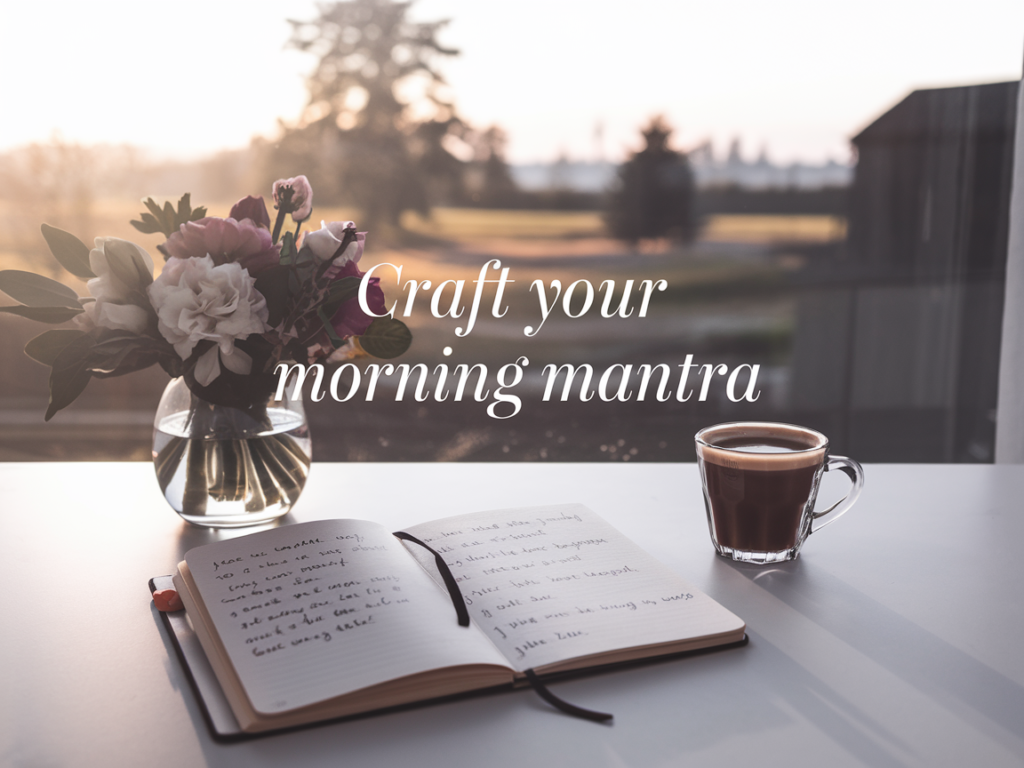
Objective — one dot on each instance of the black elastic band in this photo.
(565, 706)
(449, 580)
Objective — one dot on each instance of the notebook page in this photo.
(309, 612)
(547, 584)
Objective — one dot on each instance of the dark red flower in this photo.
(252, 208)
(350, 320)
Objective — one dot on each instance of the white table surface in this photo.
(894, 640)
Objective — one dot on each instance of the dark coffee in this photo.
(758, 486)
(757, 511)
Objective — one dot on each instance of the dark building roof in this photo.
(936, 113)
(930, 196)
(917, 302)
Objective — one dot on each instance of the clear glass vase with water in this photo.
(223, 467)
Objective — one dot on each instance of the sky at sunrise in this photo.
(796, 76)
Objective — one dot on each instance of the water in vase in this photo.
(223, 481)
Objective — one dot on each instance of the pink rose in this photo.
(225, 241)
(294, 196)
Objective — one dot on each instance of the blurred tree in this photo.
(443, 173)
(491, 183)
(655, 194)
(358, 140)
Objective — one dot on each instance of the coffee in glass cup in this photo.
(760, 482)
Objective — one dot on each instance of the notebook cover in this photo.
(216, 710)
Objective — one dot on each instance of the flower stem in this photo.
(196, 488)
(278, 223)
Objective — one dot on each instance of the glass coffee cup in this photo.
(760, 483)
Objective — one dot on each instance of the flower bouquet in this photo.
(235, 298)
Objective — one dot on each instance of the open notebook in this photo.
(331, 618)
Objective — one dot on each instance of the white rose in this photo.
(111, 308)
(196, 301)
(326, 241)
(106, 285)
(105, 314)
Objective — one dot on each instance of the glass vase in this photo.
(223, 466)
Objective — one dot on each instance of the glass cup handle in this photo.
(855, 472)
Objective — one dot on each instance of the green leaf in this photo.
(117, 352)
(65, 390)
(273, 284)
(75, 355)
(336, 340)
(69, 374)
(71, 252)
(45, 347)
(110, 342)
(53, 315)
(304, 257)
(185, 207)
(105, 336)
(135, 361)
(386, 338)
(318, 274)
(133, 358)
(166, 219)
(37, 291)
(287, 248)
(115, 366)
(155, 209)
(338, 293)
(148, 225)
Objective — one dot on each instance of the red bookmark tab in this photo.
(167, 600)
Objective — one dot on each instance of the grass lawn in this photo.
(21, 245)
(461, 224)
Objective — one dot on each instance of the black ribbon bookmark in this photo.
(570, 709)
(449, 580)
(463, 613)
